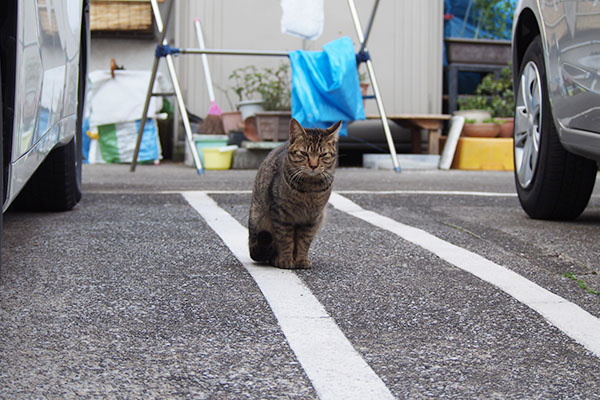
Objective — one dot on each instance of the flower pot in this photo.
(249, 108)
(481, 129)
(232, 121)
(250, 129)
(507, 127)
(364, 89)
(273, 125)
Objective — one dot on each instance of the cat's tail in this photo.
(261, 246)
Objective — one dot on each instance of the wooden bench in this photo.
(432, 123)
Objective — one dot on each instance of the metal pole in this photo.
(371, 71)
(158, 18)
(184, 114)
(368, 31)
(178, 94)
(163, 33)
(233, 52)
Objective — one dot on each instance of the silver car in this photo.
(556, 75)
(43, 47)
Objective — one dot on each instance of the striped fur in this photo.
(290, 193)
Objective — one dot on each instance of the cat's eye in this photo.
(325, 155)
(301, 154)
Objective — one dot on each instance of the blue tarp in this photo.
(325, 86)
(462, 21)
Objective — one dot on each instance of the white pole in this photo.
(371, 71)
(456, 126)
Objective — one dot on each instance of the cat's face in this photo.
(312, 152)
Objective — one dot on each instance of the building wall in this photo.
(405, 45)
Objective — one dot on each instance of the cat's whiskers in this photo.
(326, 178)
(296, 175)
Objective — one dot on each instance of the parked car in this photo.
(556, 76)
(44, 52)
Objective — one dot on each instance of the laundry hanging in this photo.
(302, 18)
(325, 86)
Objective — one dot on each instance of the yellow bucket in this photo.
(218, 157)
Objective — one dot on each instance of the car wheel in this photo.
(551, 182)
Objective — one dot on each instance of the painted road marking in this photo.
(334, 367)
(566, 316)
(429, 192)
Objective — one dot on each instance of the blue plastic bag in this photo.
(325, 86)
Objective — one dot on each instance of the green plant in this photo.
(272, 85)
(492, 17)
(493, 95)
(581, 283)
(245, 82)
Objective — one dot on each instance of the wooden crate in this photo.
(273, 125)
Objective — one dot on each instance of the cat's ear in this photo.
(334, 130)
(296, 130)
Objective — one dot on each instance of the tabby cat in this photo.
(290, 193)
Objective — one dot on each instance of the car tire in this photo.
(551, 182)
(56, 184)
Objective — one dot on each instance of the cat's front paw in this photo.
(303, 264)
(285, 263)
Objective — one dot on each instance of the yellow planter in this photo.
(495, 154)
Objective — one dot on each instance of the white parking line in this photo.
(566, 316)
(430, 192)
(334, 367)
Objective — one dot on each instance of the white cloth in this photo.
(120, 99)
(302, 18)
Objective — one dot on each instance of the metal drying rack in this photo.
(168, 52)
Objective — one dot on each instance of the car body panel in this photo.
(46, 84)
(570, 33)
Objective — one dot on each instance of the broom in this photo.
(212, 124)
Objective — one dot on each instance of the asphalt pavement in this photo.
(430, 284)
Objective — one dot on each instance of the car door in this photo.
(573, 48)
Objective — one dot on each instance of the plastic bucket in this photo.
(203, 141)
(218, 157)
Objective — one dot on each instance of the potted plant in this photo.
(273, 87)
(245, 86)
(494, 97)
(502, 102)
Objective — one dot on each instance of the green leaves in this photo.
(493, 95)
(492, 18)
(581, 283)
(272, 85)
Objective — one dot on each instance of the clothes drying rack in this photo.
(168, 52)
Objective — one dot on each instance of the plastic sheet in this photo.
(325, 86)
